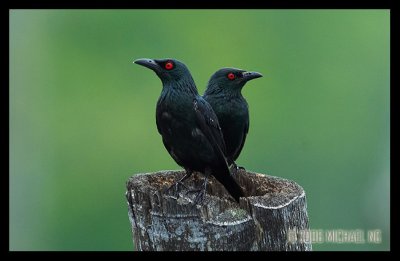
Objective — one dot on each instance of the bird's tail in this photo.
(226, 179)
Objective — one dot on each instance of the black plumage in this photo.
(224, 94)
(188, 125)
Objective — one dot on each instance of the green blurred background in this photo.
(82, 116)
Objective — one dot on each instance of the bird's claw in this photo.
(199, 197)
(201, 192)
(193, 191)
(235, 168)
(176, 185)
(240, 167)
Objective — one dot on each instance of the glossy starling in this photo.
(224, 94)
(189, 127)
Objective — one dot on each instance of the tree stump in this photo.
(272, 216)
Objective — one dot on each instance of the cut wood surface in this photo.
(272, 216)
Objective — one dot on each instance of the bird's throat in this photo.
(184, 85)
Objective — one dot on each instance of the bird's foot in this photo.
(180, 182)
(177, 185)
(235, 168)
(240, 167)
(200, 197)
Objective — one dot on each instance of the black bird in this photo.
(189, 127)
(224, 94)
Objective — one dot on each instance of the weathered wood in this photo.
(273, 209)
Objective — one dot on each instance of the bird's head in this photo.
(230, 80)
(168, 70)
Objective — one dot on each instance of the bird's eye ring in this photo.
(231, 76)
(169, 66)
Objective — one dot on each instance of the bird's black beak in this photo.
(247, 76)
(149, 63)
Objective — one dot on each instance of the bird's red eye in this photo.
(231, 76)
(169, 66)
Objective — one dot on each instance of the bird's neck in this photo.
(217, 91)
(183, 85)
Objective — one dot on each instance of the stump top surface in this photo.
(260, 189)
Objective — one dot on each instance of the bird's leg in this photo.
(180, 181)
(202, 191)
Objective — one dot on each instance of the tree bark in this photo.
(272, 216)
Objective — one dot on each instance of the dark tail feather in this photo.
(225, 178)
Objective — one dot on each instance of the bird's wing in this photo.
(209, 125)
